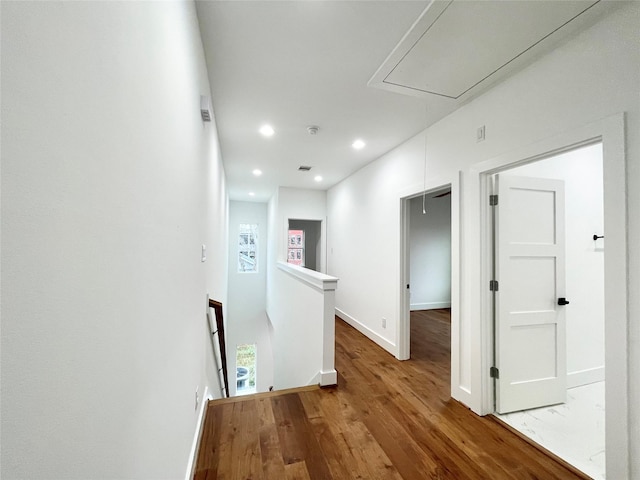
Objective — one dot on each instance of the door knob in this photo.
(563, 301)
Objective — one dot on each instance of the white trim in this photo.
(366, 331)
(328, 378)
(585, 377)
(611, 132)
(430, 305)
(195, 445)
(317, 280)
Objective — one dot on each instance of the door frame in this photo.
(403, 333)
(610, 132)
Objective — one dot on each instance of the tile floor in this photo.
(574, 431)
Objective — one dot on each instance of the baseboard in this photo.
(430, 305)
(585, 377)
(328, 378)
(198, 434)
(316, 379)
(367, 332)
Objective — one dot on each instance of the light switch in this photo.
(203, 258)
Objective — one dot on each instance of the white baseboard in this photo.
(585, 377)
(328, 378)
(315, 380)
(430, 305)
(366, 331)
(198, 434)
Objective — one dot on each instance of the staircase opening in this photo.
(245, 369)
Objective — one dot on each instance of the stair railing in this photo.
(219, 331)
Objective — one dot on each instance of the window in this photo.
(248, 248)
(245, 369)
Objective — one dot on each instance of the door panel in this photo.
(530, 263)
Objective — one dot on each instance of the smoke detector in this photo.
(313, 129)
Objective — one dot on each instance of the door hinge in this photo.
(493, 200)
(494, 372)
(493, 285)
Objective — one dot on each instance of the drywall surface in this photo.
(581, 171)
(301, 204)
(294, 308)
(111, 183)
(593, 76)
(247, 321)
(430, 252)
(297, 332)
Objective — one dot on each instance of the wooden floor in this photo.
(385, 420)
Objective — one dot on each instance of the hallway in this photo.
(385, 420)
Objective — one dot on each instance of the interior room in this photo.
(575, 428)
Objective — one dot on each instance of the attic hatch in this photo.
(458, 48)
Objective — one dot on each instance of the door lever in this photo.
(563, 301)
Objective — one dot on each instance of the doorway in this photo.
(610, 132)
(429, 261)
(304, 243)
(429, 280)
(549, 304)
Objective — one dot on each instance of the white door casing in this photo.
(530, 324)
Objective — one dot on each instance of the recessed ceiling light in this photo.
(358, 144)
(267, 130)
(317, 178)
(251, 194)
(257, 172)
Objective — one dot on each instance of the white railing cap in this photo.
(315, 279)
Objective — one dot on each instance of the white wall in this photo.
(593, 76)
(297, 332)
(111, 183)
(298, 204)
(297, 341)
(430, 252)
(247, 321)
(581, 171)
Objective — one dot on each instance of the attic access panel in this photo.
(456, 45)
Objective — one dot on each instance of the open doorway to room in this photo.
(549, 314)
(304, 243)
(428, 251)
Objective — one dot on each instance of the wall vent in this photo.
(205, 108)
(304, 168)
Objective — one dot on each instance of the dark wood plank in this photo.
(296, 436)
(209, 452)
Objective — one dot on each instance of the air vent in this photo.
(205, 108)
(304, 168)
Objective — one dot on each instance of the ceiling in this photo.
(379, 71)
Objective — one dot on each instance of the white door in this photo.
(530, 269)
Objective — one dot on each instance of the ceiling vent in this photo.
(304, 168)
